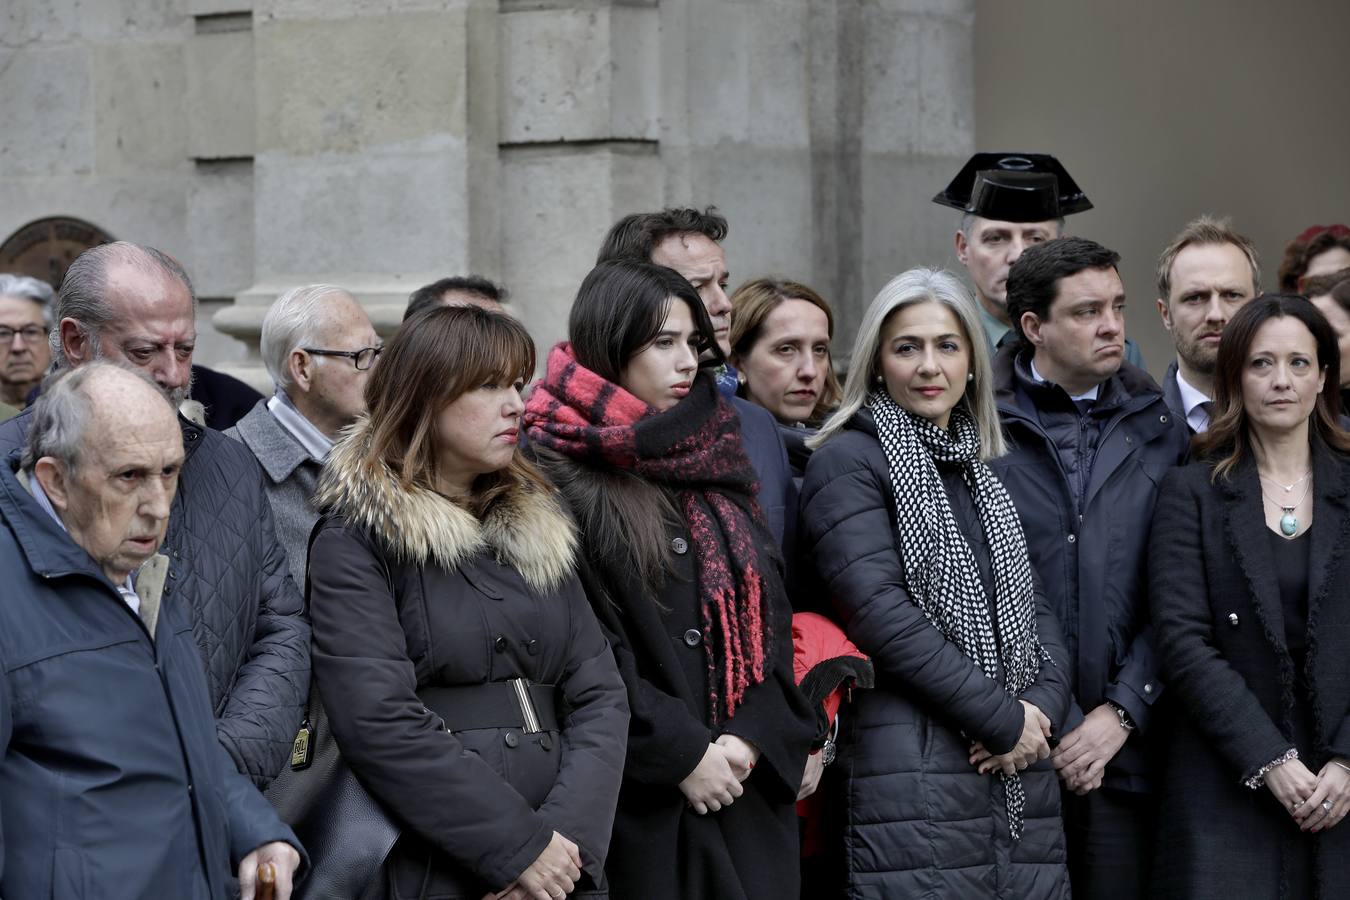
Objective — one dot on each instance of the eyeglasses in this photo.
(363, 358)
(28, 332)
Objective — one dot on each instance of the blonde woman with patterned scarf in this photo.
(950, 791)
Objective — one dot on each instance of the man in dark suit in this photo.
(1089, 437)
(1204, 276)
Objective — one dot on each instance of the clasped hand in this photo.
(1033, 745)
(552, 876)
(716, 780)
(1082, 754)
(1316, 802)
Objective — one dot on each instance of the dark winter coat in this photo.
(1221, 639)
(410, 592)
(662, 849)
(112, 782)
(1084, 488)
(922, 822)
(224, 399)
(247, 614)
(777, 491)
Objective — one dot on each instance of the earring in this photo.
(970, 376)
(880, 379)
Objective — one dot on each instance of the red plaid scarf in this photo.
(694, 449)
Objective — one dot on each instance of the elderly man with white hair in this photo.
(112, 780)
(319, 347)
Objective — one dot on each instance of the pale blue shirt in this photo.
(316, 443)
(1193, 401)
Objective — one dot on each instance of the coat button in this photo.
(692, 637)
(680, 546)
(1162, 419)
(1233, 619)
(532, 647)
(512, 740)
(1148, 688)
(1073, 539)
(546, 741)
(1128, 439)
(500, 645)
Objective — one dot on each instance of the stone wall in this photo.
(269, 143)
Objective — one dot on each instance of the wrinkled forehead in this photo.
(1211, 267)
(20, 309)
(139, 296)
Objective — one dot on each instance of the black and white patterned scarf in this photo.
(940, 569)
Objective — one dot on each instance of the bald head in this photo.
(105, 448)
(133, 305)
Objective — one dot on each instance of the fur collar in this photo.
(525, 529)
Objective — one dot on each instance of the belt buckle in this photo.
(528, 714)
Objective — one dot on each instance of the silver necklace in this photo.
(1287, 487)
(1289, 521)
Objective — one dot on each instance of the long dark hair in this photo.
(1228, 440)
(619, 309)
(436, 356)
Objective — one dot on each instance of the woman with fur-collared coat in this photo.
(467, 682)
(684, 574)
(1250, 588)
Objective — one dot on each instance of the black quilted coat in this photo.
(246, 611)
(921, 821)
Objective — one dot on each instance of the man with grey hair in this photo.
(134, 305)
(1010, 202)
(25, 319)
(319, 347)
(110, 770)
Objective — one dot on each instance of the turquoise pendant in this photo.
(1289, 523)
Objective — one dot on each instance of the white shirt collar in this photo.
(128, 592)
(316, 443)
(1089, 394)
(1193, 400)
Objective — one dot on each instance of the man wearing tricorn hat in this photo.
(1011, 201)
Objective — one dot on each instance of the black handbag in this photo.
(346, 832)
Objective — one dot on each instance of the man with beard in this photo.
(134, 305)
(1204, 276)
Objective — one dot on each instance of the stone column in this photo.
(366, 172)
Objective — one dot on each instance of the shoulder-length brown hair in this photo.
(436, 356)
(752, 304)
(1228, 440)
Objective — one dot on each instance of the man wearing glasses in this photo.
(319, 346)
(24, 352)
(134, 305)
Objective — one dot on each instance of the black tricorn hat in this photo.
(1014, 187)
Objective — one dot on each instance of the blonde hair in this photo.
(752, 304)
(921, 285)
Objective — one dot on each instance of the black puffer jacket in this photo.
(247, 614)
(922, 822)
(410, 594)
(1085, 489)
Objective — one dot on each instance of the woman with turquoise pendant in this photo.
(1250, 587)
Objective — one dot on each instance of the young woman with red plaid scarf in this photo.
(686, 579)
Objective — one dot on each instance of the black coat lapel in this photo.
(1245, 526)
(1329, 527)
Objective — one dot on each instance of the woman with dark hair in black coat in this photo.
(466, 680)
(685, 575)
(1248, 583)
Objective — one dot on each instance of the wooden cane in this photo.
(267, 881)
